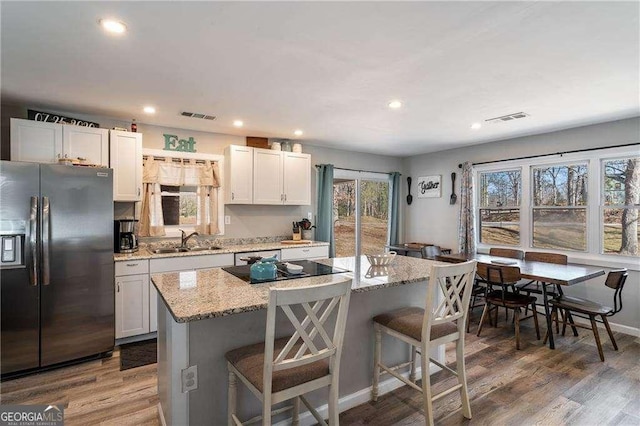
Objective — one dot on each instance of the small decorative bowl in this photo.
(293, 268)
(383, 259)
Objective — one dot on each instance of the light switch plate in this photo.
(310, 215)
(227, 220)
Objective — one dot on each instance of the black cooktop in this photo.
(310, 269)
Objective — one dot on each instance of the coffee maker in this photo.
(124, 237)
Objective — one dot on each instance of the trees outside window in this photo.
(620, 205)
(499, 212)
(559, 206)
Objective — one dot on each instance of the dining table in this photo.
(546, 273)
(408, 248)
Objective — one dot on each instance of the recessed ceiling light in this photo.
(113, 26)
(149, 110)
(476, 126)
(298, 132)
(395, 104)
(238, 123)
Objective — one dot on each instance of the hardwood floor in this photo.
(568, 386)
(93, 393)
(532, 386)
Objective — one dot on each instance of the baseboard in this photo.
(357, 398)
(620, 328)
(161, 415)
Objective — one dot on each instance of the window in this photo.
(620, 204)
(179, 205)
(499, 213)
(586, 204)
(560, 207)
(372, 193)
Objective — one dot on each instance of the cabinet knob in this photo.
(118, 288)
(232, 196)
(138, 191)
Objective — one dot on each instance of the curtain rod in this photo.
(553, 153)
(355, 170)
(176, 159)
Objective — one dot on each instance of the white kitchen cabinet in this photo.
(186, 263)
(40, 142)
(267, 177)
(296, 178)
(35, 141)
(136, 299)
(263, 176)
(132, 305)
(86, 142)
(238, 174)
(126, 162)
(302, 253)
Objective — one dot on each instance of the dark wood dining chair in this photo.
(505, 277)
(591, 310)
(506, 252)
(535, 287)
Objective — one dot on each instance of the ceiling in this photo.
(331, 68)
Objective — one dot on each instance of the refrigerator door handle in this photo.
(33, 241)
(46, 231)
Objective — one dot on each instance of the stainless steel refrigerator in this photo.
(56, 265)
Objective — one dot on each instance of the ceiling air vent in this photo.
(197, 115)
(508, 117)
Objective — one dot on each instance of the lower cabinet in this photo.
(302, 253)
(132, 305)
(136, 308)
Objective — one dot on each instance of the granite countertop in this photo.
(144, 253)
(210, 293)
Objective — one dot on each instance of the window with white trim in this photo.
(620, 203)
(586, 204)
(499, 207)
(559, 206)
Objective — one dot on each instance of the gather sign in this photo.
(173, 143)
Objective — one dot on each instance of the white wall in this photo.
(246, 221)
(434, 220)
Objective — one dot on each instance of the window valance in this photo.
(181, 172)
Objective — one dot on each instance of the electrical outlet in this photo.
(310, 215)
(190, 378)
(227, 220)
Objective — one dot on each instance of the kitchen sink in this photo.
(170, 250)
(204, 248)
(165, 250)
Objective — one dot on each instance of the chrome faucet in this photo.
(186, 237)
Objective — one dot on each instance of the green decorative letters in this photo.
(171, 143)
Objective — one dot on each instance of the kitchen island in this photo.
(203, 314)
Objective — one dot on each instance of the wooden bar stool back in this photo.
(278, 370)
(591, 310)
(505, 277)
(442, 320)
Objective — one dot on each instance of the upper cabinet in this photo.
(296, 178)
(267, 177)
(40, 142)
(126, 162)
(238, 170)
(263, 176)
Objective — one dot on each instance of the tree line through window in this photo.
(559, 202)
